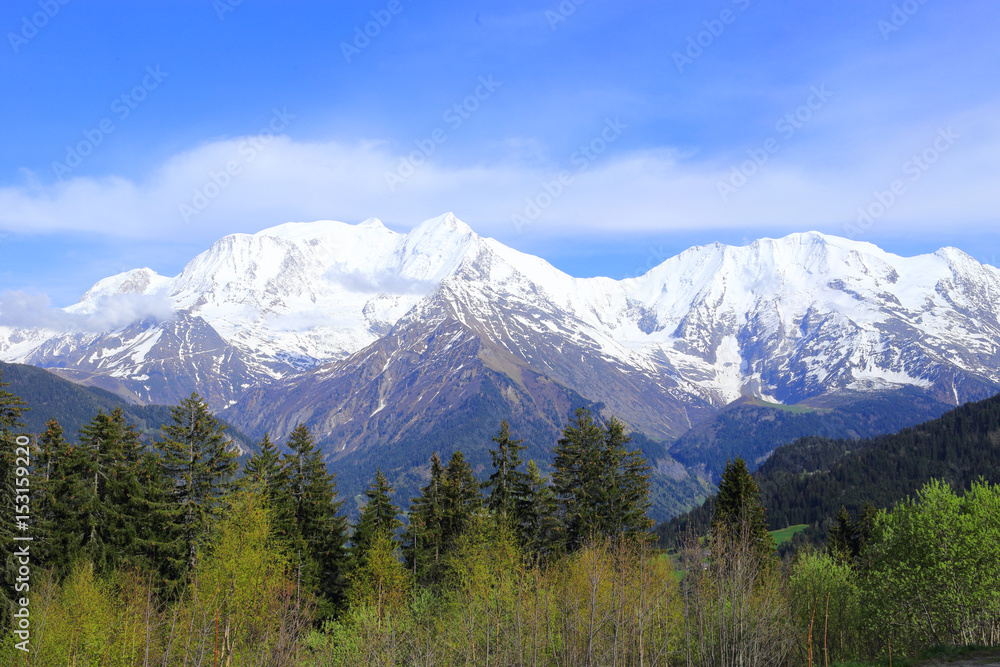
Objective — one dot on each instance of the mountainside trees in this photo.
(601, 489)
(199, 467)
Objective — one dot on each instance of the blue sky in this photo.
(601, 135)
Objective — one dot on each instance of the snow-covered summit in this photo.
(780, 319)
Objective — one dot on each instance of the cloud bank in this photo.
(243, 184)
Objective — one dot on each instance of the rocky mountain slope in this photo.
(378, 340)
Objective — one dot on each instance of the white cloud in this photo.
(109, 312)
(642, 190)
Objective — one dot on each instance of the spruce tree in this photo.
(602, 489)
(738, 512)
(197, 459)
(506, 482)
(378, 517)
(423, 540)
(263, 468)
(625, 493)
(461, 498)
(536, 515)
(576, 477)
(318, 533)
(50, 478)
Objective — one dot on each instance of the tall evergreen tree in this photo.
(738, 511)
(198, 461)
(602, 489)
(50, 478)
(423, 540)
(625, 493)
(318, 533)
(576, 477)
(537, 521)
(461, 498)
(378, 517)
(263, 468)
(506, 482)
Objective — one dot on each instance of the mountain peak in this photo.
(446, 224)
(136, 281)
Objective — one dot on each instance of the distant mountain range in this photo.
(390, 346)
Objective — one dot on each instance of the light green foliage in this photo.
(379, 582)
(934, 568)
(825, 592)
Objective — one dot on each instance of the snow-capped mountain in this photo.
(786, 320)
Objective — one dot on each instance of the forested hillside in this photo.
(807, 481)
(72, 405)
(751, 429)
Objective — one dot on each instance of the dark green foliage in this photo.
(537, 521)
(378, 517)
(263, 468)
(847, 539)
(423, 540)
(808, 481)
(200, 465)
(307, 508)
(752, 429)
(738, 512)
(601, 489)
(461, 499)
(507, 482)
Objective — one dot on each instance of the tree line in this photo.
(118, 503)
(169, 553)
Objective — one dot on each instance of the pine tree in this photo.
(461, 500)
(536, 515)
(626, 491)
(507, 481)
(198, 461)
(738, 512)
(263, 468)
(576, 477)
(378, 517)
(318, 534)
(423, 540)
